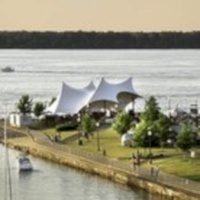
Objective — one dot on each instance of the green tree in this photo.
(184, 138)
(88, 124)
(123, 122)
(163, 127)
(140, 134)
(25, 104)
(38, 109)
(151, 110)
(148, 122)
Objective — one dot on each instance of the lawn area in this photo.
(173, 162)
(64, 134)
(181, 166)
(109, 140)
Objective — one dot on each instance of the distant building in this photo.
(18, 120)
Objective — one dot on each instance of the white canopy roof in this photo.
(109, 94)
(71, 100)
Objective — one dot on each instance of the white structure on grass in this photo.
(127, 139)
(18, 120)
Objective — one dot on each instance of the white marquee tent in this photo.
(106, 95)
(71, 100)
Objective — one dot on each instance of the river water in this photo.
(50, 181)
(172, 76)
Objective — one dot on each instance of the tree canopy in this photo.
(38, 109)
(87, 124)
(99, 40)
(122, 122)
(185, 140)
(25, 104)
(151, 120)
(151, 110)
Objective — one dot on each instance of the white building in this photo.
(18, 120)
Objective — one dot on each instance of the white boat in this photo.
(24, 163)
(7, 69)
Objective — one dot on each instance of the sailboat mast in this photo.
(8, 180)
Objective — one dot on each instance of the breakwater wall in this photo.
(117, 174)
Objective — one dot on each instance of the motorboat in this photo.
(24, 163)
(7, 69)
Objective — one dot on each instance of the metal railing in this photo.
(152, 173)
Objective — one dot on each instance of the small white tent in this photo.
(127, 139)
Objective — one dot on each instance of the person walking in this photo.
(134, 161)
(152, 170)
(157, 171)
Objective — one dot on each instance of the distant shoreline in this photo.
(99, 40)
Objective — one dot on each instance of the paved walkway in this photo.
(39, 139)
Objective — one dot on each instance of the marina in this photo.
(63, 182)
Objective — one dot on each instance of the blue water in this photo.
(50, 181)
(172, 76)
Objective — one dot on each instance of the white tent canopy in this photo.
(127, 139)
(71, 100)
(106, 95)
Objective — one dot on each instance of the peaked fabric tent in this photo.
(108, 95)
(71, 100)
(105, 96)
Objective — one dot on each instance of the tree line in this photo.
(153, 124)
(99, 40)
(156, 129)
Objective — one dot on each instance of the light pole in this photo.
(98, 141)
(149, 134)
(80, 140)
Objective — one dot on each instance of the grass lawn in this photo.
(174, 162)
(181, 165)
(64, 134)
(109, 140)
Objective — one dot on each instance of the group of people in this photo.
(154, 170)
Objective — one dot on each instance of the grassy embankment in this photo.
(173, 162)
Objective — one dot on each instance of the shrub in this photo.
(71, 125)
